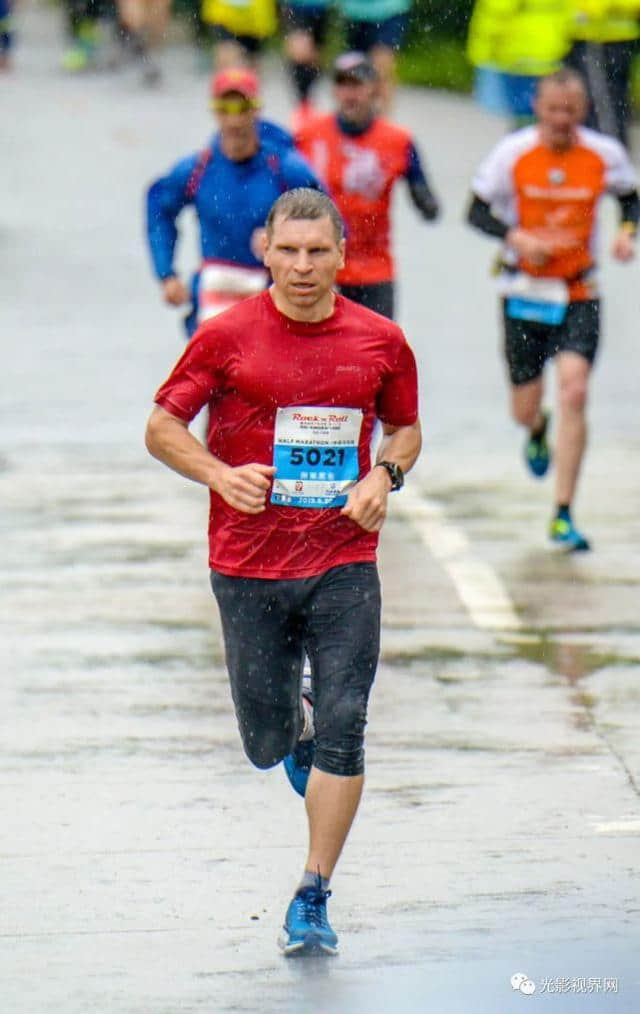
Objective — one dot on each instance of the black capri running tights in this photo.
(268, 626)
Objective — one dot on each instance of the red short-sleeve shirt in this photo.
(247, 363)
(360, 172)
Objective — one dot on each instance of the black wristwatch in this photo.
(394, 472)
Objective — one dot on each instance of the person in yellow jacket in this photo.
(240, 28)
(513, 43)
(605, 34)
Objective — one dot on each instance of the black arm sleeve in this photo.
(424, 199)
(480, 217)
(629, 207)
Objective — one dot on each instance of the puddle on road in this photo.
(467, 691)
(468, 501)
(569, 659)
(436, 655)
(572, 660)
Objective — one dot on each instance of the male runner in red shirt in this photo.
(295, 379)
(360, 156)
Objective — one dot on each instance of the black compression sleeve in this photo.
(480, 217)
(629, 207)
(425, 201)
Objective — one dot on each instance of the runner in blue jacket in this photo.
(232, 184)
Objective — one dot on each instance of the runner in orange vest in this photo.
(538, 191)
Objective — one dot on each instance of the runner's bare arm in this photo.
(244, 487)
(367, 501)
(623, 247)
(400, 444)
(529, 246)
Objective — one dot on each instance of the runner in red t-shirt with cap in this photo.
(295, 379)
(360, 156)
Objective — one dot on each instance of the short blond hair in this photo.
(564, 77)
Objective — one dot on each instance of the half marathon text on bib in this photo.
(316, 455)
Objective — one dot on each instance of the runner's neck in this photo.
(302, 315)
(240, 153)
(354, 129)
(558, 149)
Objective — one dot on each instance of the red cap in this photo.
(236, 79)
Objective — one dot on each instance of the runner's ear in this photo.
(262, 246)
(342, 248)
(259, 243)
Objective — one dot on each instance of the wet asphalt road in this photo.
(144, 866)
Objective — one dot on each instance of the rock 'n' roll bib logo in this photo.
(316, 421)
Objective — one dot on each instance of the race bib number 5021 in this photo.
(315, 454)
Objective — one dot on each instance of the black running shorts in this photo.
(528, 344)
(378, 296)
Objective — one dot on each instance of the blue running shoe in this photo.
(297, 765)
(536, 450)
(306, 928)
(564, 534)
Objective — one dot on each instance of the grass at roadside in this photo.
(436, 63)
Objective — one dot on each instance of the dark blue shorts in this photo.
(364, 35)
(252, 43)
(268, 626)
(314, 20)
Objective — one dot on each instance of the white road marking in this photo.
(627, 825)
(479, 587)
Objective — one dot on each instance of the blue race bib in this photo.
(543, 300)
(315, 454)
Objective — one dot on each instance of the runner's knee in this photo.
(524, 414)
(525, 409)
(383, 59)
(300, 47)
(573, 394)
(267, 734)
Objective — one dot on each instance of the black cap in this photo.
(353, 67)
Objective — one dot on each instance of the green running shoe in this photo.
(537, 453)
(564, 534)
(76, 59)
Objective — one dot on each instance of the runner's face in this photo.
(560, 108)
(356, 100)
(304, 257)
(237, 125)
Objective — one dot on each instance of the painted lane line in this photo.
(477, 584)
(627, 825)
